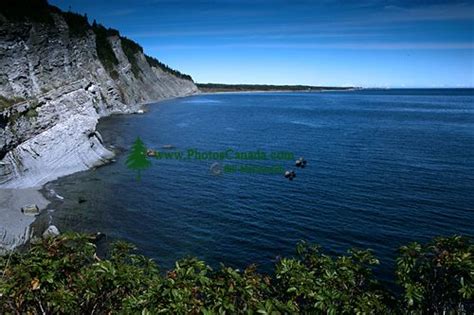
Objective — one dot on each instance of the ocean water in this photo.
(384, 168)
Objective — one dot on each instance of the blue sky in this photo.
(328, 42)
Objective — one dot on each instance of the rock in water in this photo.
(30, 210)
(51, 231)
(290, 175)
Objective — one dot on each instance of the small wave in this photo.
(430, 110)
(304, 123)
(201, 101)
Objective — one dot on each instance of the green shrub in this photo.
(7, 102)
(438, 276)
(31, 113)
(318, 283)
(64, 275)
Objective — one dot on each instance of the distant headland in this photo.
(218, 87)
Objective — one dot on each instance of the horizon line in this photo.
(343, 86)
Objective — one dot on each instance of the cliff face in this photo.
(56, 88)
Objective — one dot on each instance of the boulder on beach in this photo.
(30, 210)
(51, 231)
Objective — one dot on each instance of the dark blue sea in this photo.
(384, 168)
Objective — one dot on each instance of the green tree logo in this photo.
(137, 159)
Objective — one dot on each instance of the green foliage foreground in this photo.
(65, 275)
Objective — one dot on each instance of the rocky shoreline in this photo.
(55, 85)
(16, 228)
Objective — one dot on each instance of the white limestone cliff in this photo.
(65, 90)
